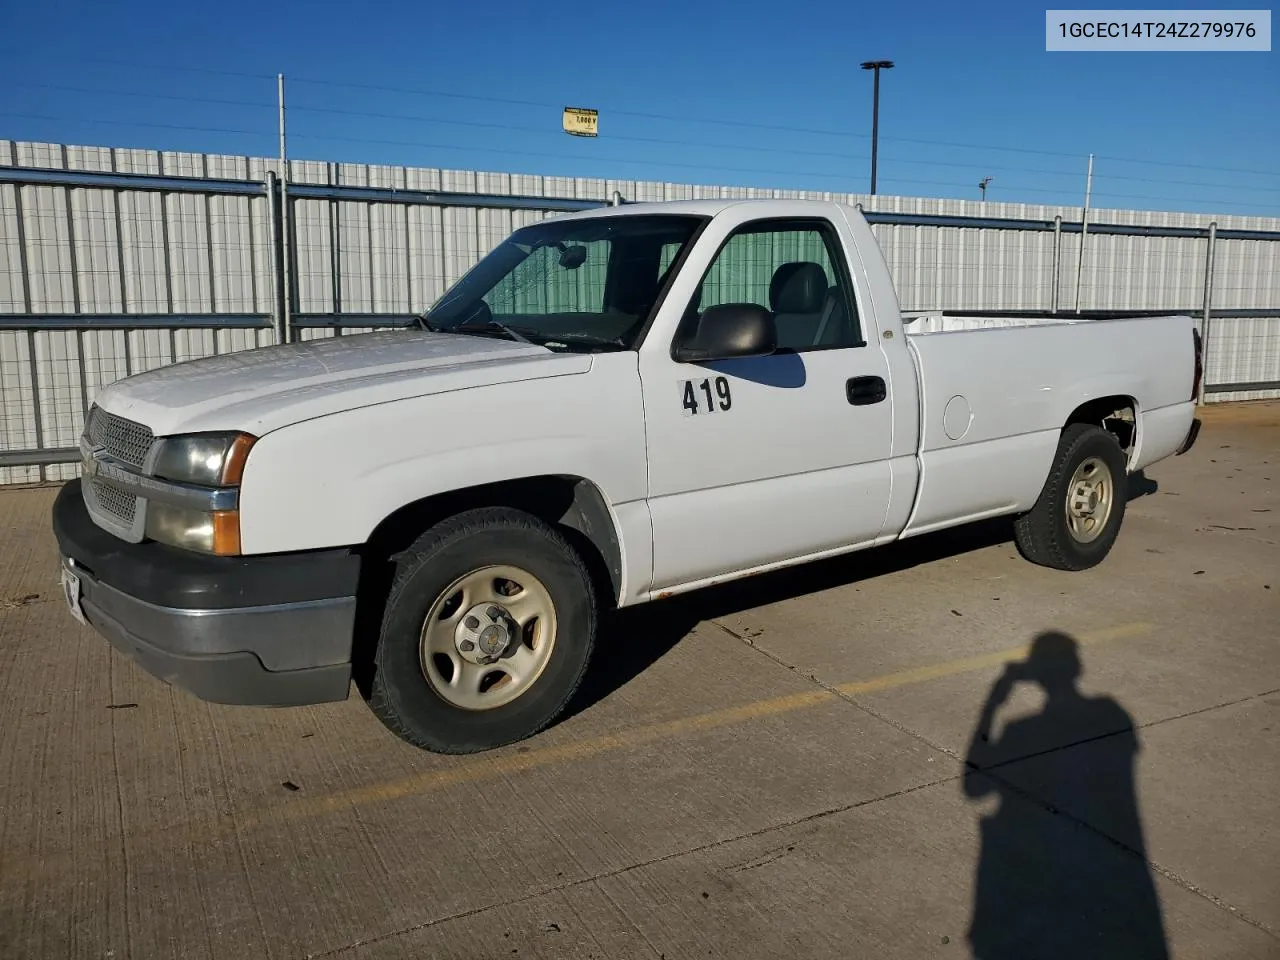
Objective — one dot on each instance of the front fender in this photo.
(330, 481)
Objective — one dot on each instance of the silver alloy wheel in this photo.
(1090, 497)
(487, 637)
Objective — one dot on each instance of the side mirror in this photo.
(727, 332)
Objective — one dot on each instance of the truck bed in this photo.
(997, 388)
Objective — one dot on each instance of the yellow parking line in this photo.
(952, 667)
(502, 764)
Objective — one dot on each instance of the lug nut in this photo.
(466, 646)
(471, 623)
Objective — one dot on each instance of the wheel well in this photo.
(573, 505)
(1117, 415)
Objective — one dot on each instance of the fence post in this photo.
(283, 277)
(1057, 261)
(25, 269)
(273, 248)
(287, 252)
(335, 252)
(1208, 307)
(292, 294)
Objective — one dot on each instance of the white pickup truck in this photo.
(610, 408)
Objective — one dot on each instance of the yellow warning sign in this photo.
(581, 121)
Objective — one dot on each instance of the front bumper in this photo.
(267, 631)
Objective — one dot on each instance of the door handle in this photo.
(863, 390)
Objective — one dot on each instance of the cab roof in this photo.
(701, 208)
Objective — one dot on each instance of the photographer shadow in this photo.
(1047, 886)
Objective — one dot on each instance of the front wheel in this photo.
(487, 633)
(1077, 517)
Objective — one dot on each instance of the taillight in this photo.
(1195, 386)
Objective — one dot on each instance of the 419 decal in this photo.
(705, 396)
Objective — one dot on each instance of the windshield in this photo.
(570, 285)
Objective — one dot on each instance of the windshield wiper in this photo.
(586, 340)
(489, 325)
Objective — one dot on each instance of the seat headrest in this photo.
(798, 288)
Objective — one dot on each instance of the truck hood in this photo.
(261, 390)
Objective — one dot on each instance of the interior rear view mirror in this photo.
(571, 258)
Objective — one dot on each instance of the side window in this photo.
(789, 268)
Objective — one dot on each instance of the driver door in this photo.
(757, 461)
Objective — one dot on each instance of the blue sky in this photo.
(688, 91)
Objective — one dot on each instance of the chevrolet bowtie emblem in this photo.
(91, 463)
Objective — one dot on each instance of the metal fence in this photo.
(117, 261)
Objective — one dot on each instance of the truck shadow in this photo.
(633, 639)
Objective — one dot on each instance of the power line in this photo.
(507, 127)
(543, 131)
(711, 166)
(666, 117)
(752, 124)
(114, 61)
(1214, 201)
(1191, 166)
(615, 160)
(379, 88)
(147, 95)
(626, 160)
(627, 138)
(134, 123)
(508, 152)
(1190, 183)
(563, 156)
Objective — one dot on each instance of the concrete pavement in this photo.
(775, 767)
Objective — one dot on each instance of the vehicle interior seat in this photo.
(808, 311)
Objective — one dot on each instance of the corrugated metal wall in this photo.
(94, 252)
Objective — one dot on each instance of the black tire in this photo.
(1043, 534)
(400, 695)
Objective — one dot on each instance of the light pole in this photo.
(877, 66)
(982, 185)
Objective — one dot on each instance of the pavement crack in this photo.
(127, 886)
(848, 698)
(629, 868)
(771, 856)
(1058, 748)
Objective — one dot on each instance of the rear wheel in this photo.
(1078, 515)
(486, 634)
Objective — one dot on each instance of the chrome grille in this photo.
(120, 438)
(113, 500)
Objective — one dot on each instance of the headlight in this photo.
(217, 533)
(210, 459)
